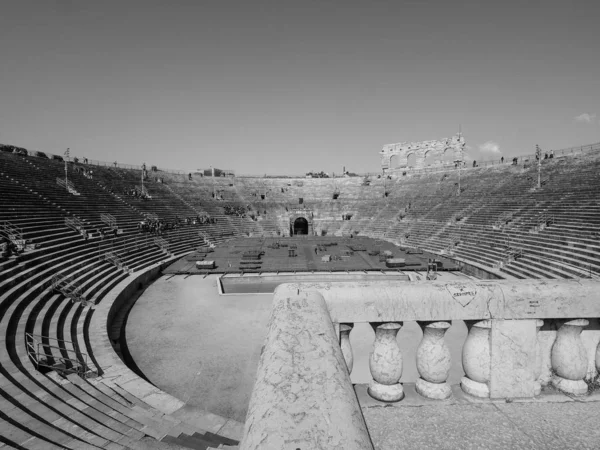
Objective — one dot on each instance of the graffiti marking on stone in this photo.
(462, 293)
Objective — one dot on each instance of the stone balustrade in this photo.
(521, 335)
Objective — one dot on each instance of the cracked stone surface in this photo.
(486, 426)
(305, 366)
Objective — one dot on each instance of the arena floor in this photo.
(203, 347)
(347, 254)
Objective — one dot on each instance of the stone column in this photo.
(345, 329)
(476, 359)
(569, 358)
(385, 362)
(539, 359)
(433, 361)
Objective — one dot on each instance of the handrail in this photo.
(161, 243)
(41, 357)
(66, 287)
(11, 231)
(109, 220)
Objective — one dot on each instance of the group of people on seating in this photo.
(159, 226)
(155, 226)
(235, 210)
(9, 248)
(135, 192)
(198, 220)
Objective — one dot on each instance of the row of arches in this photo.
(430, 157)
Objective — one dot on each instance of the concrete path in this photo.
(553, 421)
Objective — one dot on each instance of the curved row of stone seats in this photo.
(113, 374)
(43, 411)
(48, 412)
(126, 221)
(39, 403)
(40, 177)
(162, 202)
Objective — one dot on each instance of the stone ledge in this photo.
(459, 397)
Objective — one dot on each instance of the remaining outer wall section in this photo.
(433, 150)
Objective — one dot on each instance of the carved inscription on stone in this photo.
(462, 293)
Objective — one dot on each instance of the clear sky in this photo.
(291, 86)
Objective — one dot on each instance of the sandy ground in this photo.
(198, 346)
(204, 348)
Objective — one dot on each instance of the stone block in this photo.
(513, 358)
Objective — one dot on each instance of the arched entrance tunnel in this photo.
(300, 226)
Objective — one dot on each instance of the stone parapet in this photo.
(522, 335)
(303, 397)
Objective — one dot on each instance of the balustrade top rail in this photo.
(393, 301)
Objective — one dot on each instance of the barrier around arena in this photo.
(307, 351)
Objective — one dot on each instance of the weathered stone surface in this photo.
(513, 358)
(396, 156)
(433, 301)
(385, 363)
(303, 397)
(569, 358)
(476, 359)
(344, 331)
(433, 361)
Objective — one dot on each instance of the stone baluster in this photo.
(590, 338)
(476, 359)
(598, 358)
(385, 362)
(569, 358)
(433, 361)
(345, 329)
(539, 359)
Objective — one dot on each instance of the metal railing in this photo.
(42, 355)
(109, 220)
(115, 260)
(75, 224)
(68, 185)
(67, 288)
(11, 231)
(161, 243)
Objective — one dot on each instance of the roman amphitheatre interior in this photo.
(142, 307)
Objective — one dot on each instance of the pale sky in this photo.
(284, 87)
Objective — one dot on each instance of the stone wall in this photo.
(422, 154)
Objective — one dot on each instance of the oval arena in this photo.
(190, 310)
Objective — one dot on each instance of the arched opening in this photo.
(395, 162)
(448, 156)
(429, 158)
(300, 226)
(411, 160)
